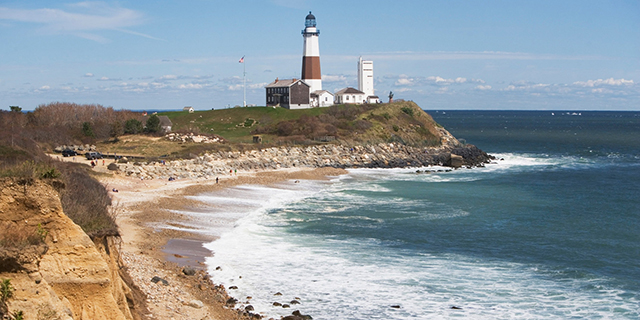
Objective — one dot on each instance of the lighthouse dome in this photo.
(310, 20)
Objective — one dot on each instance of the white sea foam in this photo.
(343, 280)
(361, 279)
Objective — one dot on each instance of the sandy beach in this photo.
(150, 250)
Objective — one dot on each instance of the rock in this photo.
(456, 308)
(294, 302)
(189, 271)
(277, 304)
(231, 302)
(157, 279)
(286, 306)
(395, 306)
(248, 308)
(233, 288)
(296, 315)
(195, 304)
(278, 294)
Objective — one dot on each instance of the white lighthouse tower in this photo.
(311, 54)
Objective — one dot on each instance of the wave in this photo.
(362, 280)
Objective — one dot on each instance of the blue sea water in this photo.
(551, 230)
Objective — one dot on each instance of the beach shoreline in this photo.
(146, 209)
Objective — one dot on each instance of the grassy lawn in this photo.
(234, 124)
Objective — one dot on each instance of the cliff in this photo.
(60, 273)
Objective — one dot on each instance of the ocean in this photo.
(550, 230)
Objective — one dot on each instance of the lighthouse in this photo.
(311, 54)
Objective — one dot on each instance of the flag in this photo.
(241, 60)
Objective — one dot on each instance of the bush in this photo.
(407, 110)
(153, 124)
(20, 235)
(86, 201)
(30, 170)
(133, 126)
(6, 292)
(87, 130)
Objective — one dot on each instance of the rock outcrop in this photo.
(383, 155)
(69, 276)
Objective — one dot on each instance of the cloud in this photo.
(88, 75)
(45, 88)
(191, 86)
(607, 82)
(168, 77)
(253, 86)
(483, 87)
(404, 80)
(232, 80)
(81, 19)
(108, 79)
(333, 78)
(467, 55)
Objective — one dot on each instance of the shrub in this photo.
(86, 201)
(19, 235)
(133, 126)
(396, 128)
(87, 130)
(407, 110)
(153, 124)
(6, 291)
(29, 170)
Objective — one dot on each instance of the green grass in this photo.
(229, 123)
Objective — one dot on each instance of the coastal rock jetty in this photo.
(383, 155)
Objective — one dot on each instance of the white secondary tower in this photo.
(311, 54)
(365, 77)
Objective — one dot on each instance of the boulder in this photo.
(157, 279)
(189, 271)
(195, 304)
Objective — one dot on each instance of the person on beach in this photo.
(93, 164)
(216, 180)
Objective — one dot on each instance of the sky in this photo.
(162, 55)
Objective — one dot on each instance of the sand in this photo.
(148, 250)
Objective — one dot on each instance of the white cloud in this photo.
(404, 80)
(190, 86)
(168, 77)
(88, 75)
(108, 79)
(45, 88)
(82, 20)
(601, 82)
(483, 87)
(469, 55)
(333, 78)
(237, 87)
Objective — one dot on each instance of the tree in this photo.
(116, 130)
(87, 130)
(15, 108)
(153, 124)
(133, 126)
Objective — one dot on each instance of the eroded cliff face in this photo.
(66, 277)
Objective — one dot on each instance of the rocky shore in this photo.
(384, 155)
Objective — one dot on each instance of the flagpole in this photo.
(244, 83)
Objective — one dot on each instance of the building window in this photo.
(347, 97)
